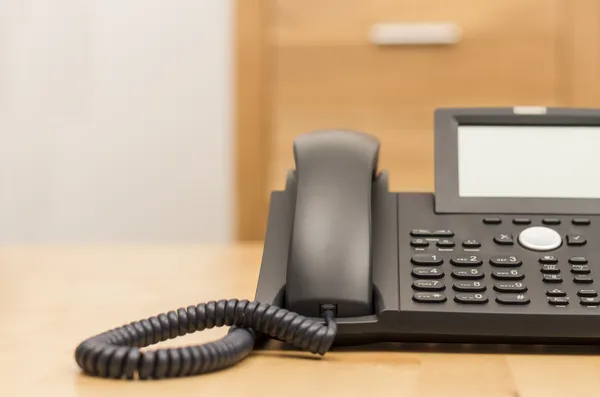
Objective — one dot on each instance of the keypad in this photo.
(449, 267)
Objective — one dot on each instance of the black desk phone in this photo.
(504, 251)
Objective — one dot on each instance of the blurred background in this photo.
(146, 121)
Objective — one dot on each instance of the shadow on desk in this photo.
(450, 348)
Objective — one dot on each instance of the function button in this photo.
(548, 259)
(556, 292)
(427, 272)
(492, 221)
(505, 261)
(521, 221)
(466, 260)
(445, 243)
(558, 301)
(471, 298)
(578, 260)
(420, 233)
(576, 239)
(513, 299)
(587, 292)
(510, 286)
(583, 279)
(590, 301)
(580, 269)
(429, 297)
(551, 221)
(426, 259)
(552, 278)
(539, 238)
(550, 269)
(580, 221)
(469, 286)
(504, 239)
(471, 244)
(429, 285)
(468, 274)
(443, 233)
(419, 242)
(512, 274)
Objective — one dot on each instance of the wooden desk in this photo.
(53, 298)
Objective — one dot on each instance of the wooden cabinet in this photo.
(319, 69)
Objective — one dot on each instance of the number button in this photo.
(471, 298)
(578, 260)
(513, 299)
(552, 278)
(510, 286)
(505, 261)
(580, 269)
(426, 259)
(429, 297)
(473, 273)
(469, 286)
(548, 259)
(550, 269)
(427, 272)
(508, 275)
(428, 285)
(466, 260)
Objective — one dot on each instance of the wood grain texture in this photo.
(328, 75)
(251, 138)
(54, 297)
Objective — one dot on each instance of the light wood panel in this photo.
(328, 74)
(307, 65)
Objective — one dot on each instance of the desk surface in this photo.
(52, 298)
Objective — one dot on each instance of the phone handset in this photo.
(330, 252)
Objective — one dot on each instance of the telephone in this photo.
(504, 250)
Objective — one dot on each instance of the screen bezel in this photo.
(446, 123)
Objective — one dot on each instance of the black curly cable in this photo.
(116, 353)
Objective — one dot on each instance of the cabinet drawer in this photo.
(326, 72)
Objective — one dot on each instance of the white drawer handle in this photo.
(445, 33)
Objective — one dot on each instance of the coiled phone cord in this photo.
(116, 353)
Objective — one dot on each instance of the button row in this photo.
(545, 221)
(468, 286)
(444, 243)
(466, 273)
(429, 233)
(572, 239)
(471, 298)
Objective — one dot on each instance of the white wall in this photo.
(115, 121)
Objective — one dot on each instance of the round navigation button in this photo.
(539, 238)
